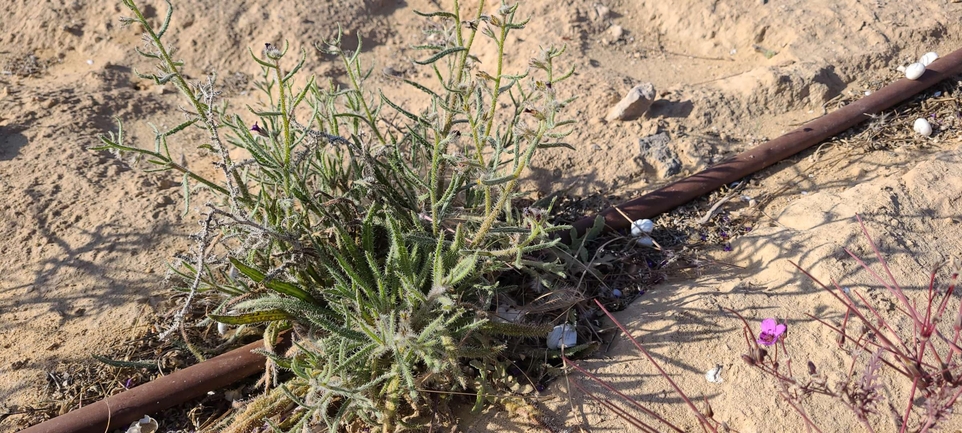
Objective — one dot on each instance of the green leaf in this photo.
(277, 286)
(464, 268)
(163, 27)
(437, 14)
(440, 55)
(248, 318)
(406, 113)
(499, 180)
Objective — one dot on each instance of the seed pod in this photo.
(762, 353)
(748, 360)
(946, 373)
(811, 368)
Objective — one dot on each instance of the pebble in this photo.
(603, 12)
(616, 32)
(656, 152)
(634, 104)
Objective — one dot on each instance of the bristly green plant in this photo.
(379, 243)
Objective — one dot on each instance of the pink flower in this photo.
(770, 332)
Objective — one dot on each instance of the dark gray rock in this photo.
(655, 152)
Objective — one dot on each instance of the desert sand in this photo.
(84, 236)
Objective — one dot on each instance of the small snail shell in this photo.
(646, 241)
(642, 227)
(928, 58)
(914, 71)
(923, 127)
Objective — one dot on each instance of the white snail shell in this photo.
(642, 227)
(914, 71)
(646, 241)
(928, 58)
(923, 127)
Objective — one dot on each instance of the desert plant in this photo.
(380, 243)
(924, 354)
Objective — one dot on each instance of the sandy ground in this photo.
(84, 236)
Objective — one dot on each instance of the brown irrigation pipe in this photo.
(771, 152)
(119, 410)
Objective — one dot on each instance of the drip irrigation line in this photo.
(771, 152)
(120, 410)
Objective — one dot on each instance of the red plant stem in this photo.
(878, 332)
(945, 297)
(617, 410)
(908, 410)
(850, 304)
(898, 292)
(809, 425)
(885, 348)
(848, 313)
(619, 393)
(747, 328)
(704, 422)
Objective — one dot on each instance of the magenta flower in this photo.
(770, 332)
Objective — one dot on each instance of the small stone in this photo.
(634, 104)
(603, 12)
(714, 375)
(163, 201)
(654, 150)
(616, 32)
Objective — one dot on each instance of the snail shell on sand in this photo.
(914, 71)
(928, 58)
(923, 127)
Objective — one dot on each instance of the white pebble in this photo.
(914, 71)
(928, 58)
(616, 293)
(642, 227)
(714, 375)
(923, 127)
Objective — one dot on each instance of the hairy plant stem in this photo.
(203, 111)
(495, 212)
(285, 116)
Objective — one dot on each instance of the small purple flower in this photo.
(260, 131)
(728, 247)
(723, 234)
(747, 229)
(771, 330)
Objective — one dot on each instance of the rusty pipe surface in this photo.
(771, 152)
(119, 410)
